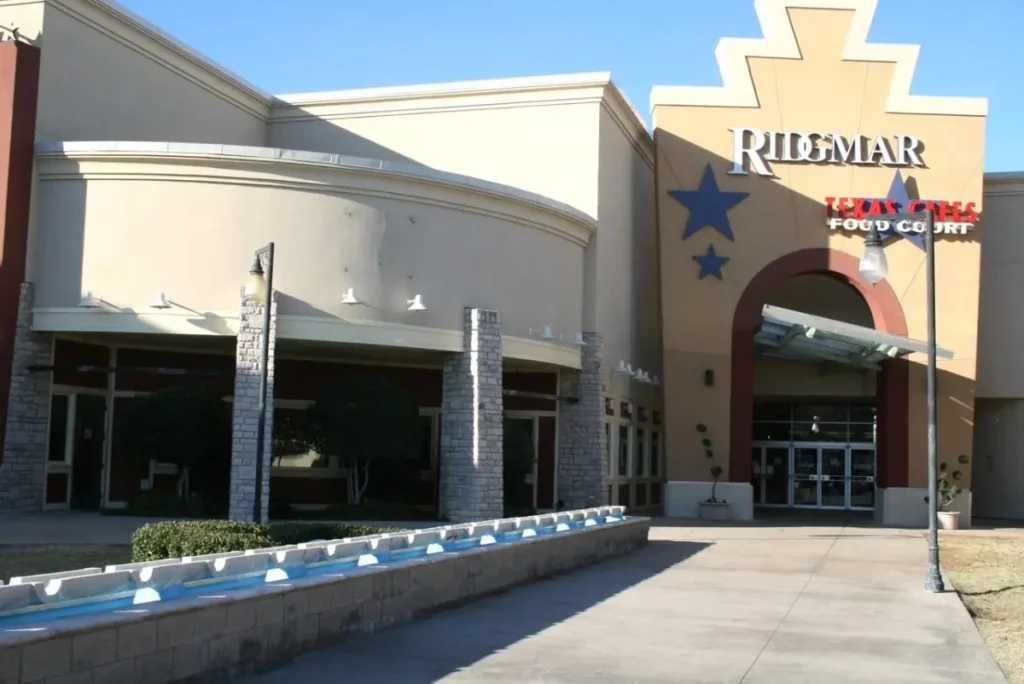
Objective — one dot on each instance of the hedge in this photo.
(174, 539)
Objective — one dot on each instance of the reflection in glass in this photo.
(828, 413)
(833, 477)
(772, 432)
(862, 478)
(756, 473)
(776, 475)
(655, 454)
(623, 450)
(287, 447)
(608, 448)
(805, 477)
(639, 454)
(58, 428)
(775, 411)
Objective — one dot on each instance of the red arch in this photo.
(892, 388)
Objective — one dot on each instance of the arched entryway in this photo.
(892, 383)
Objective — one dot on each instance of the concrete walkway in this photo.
(717, 604)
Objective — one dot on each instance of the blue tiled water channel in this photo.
(138, 594)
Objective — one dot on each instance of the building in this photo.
(810, 380)
(156, 174)
(521, 255)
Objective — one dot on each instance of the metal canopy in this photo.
(803, 337)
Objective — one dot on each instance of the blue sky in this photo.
(339, 44)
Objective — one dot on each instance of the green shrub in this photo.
(174, 539)
(296, 533)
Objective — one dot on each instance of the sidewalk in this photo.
(753, 604)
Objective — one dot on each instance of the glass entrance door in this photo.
(832, 477)
(805, 477)
(862, 476)
(808, 475)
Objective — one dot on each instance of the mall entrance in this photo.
(814, 454)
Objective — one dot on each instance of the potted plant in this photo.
(948, 490)
(712, 508)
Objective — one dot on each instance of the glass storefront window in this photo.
(58, 428)
(640, 453)
(818, 421)
(608, 448)
(655, 454)
(623, 465)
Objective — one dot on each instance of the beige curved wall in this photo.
(129, 223)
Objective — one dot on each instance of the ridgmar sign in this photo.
(849, 213)
(756, 150)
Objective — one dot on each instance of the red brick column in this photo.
(19, 88)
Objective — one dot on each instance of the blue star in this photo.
(708, 205)
(897, 194)
(710, 263)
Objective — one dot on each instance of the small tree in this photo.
(358, 420)
(715, 470)
(186, 425)
(947, 487)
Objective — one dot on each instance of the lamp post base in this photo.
(934, 584)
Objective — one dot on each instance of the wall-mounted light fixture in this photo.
(161, 302)
(416, 304)
(90, 302)
(349, 297)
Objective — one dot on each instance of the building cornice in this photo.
(780, 42)
(186, 61)
(1004, 183)
(506, 93)
(164, 49)
(569, 223)
(506, 89)
(307, 328)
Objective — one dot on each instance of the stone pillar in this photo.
(472, 423)
(23, 468)
(582, 472)
(245, 422)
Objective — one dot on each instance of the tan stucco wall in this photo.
(106, 75)
(573, 139)
(127, 226)
(787, 213)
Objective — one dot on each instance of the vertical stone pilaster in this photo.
(23, 468)
(582, 472)
(472, 423)
(245, 421)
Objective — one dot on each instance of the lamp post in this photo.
(874, 267)
(260, 287)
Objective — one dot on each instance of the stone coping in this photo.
(219, 635)
(171, 579)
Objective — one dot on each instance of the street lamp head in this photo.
(256, 283)
(873, 264)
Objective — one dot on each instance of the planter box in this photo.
(949, 520)
(714, 510)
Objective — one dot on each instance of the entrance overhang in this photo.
(799, 336)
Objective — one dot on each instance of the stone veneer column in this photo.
(472, 423)
(582, 472)
(245, 422)
(23, 468)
